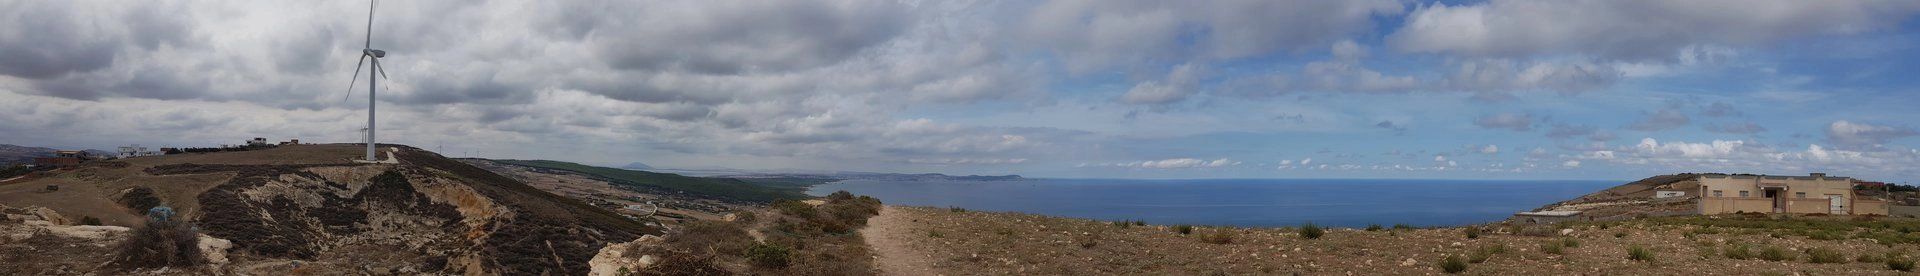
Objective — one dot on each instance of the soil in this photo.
(888, 234)
(982, 243)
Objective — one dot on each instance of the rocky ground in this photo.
(674, 206)
(958, 242)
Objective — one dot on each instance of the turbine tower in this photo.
(368, 53)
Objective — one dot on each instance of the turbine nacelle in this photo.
(374, 53)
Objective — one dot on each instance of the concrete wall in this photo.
(1869, 207)
(1903, 211)
(1726, 205)
(1809, 205)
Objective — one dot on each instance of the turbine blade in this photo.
(370, 5)
(378, 68)
(356, 76)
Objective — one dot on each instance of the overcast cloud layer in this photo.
(1067, 88)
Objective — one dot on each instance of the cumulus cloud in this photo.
(1490, 149)
(1509, 121)
(1865, 135)
(1178, 85)
(1630, 30)
(1092, 35)
(1178, 163)
(1571, 164)
(1750, 157)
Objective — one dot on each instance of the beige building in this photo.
(1815, 193)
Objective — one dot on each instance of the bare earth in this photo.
(888, 233)
(923, 241)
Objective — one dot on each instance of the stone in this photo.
(214, 249)
(91, 232)
(613, 258)
(1566, 231)
(1408, 262)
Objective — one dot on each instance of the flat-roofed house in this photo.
(1815, 193)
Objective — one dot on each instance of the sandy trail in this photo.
(887, 234)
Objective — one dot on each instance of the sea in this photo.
(1238, 202)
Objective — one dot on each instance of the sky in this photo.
(1068, 88)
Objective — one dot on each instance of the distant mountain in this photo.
(11, 154)
(637, 166)
(890, 176)
(746, 189)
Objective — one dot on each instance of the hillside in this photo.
(309, 207)
(11, 154)
(760, 190)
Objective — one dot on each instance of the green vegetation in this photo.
(1472, 232)
(1402, 226)
(756, 190)
(1311, 231)
(15, 170)
(1486, 252)
(1570, 242)
(1887, 232)
(1621, 234)
(1554, 247)
(89, 220)
(1639, 253)
(1901, 263)
(1218, 236)
(769, 255)
(956, 209)
(1825, 256)
(1738, 251)
(1373, 227)
(1452, 264)
(1775, 254)
(160, 243)
(1183, 229)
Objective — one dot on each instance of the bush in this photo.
(769, 255)
(1639, 253)
(1869, 258)
(1183, 229)
(1900, 263)
(1555, 248)
(1220, 236)
(1373, 227)
(1570, 242)
(839, 196)
(1738, 251)
(794, 208)
(1472, 232)
(956, 209)
(1402, 226)
(1453, 264)
(160, 243)
(89, 220)
(1621, 234)
(935, 234)
(1775, 254)
(1486, 252)
(1825, 256)
(1311, 231)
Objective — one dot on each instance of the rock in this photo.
(48, 215)
(1566, 231)
(214, 249)
(91, 232)
(1408, 262)
(613, 258)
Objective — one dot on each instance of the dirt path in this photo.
(888, 233)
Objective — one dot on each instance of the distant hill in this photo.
(766, 189)
(637, 166)
(11, 154)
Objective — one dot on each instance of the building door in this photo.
(1838, 203)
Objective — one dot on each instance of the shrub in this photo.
(1139, 223)
(1639, 253)
(1088, 241)
(1183, 229)
(1825, 256)
(160, 243)
(1122, 223)
(1486, 252)
(1472, 232)
(1738, 251)
(1221, 236)
(1538, 231)
(710, 237)
(1311, 231)
(794, 208)
(1869, 258)
(1555, 248)
(1775, 254)
(1453, 264)
(1900, 263)
(769, 255)
(1402, 226)
(1621, 234)
(1373, 227)
(1570, 242)
(89, 220)
(956, 209)
(935, 234)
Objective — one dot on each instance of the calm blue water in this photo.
(1239, 202)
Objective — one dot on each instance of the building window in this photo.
(1800, 194)
(1716, 193)
(1743, 194)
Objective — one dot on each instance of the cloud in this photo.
(1562, 131)
(1178, 85)
(1664, 119)
(1390, 126)
(1490, 149)
(1093, 35)
(1571, 164)
(1852, 134)
(1179, 163)
(1719, 109)
(1741, 128)
(1510, 121)
(1630, 30)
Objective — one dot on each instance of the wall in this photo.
(1726, 205)
(1809, 205)
(1869, 207)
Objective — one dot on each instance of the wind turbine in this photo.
(367, 53)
